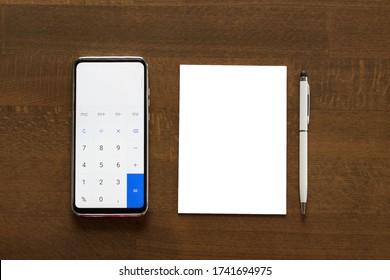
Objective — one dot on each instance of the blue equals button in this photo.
(135, 190)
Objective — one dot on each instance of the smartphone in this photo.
(110, 136)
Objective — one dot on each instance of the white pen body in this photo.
(303, 166)
(304, 95)
(304, 98)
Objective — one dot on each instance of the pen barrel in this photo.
(303, 159)
(304, 91)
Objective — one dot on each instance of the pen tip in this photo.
(304, 74)
(303, 208)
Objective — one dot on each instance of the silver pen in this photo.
(304, 114)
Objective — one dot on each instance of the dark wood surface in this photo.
(345, 47)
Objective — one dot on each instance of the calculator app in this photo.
(110, 135)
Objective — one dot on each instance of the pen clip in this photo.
(308, 104)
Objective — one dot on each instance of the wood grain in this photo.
(345, 47)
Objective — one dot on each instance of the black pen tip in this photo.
(303, 208)
(304, 74)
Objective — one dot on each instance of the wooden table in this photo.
(345, 47)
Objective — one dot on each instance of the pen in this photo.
(304, 113)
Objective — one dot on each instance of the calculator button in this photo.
(135, 193)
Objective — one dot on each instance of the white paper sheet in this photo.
(232, 139)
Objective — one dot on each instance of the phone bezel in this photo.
(113, 212)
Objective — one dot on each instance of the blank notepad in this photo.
(232, 139)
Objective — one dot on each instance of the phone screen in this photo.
(110, 136)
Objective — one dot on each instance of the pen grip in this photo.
(303, 160)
